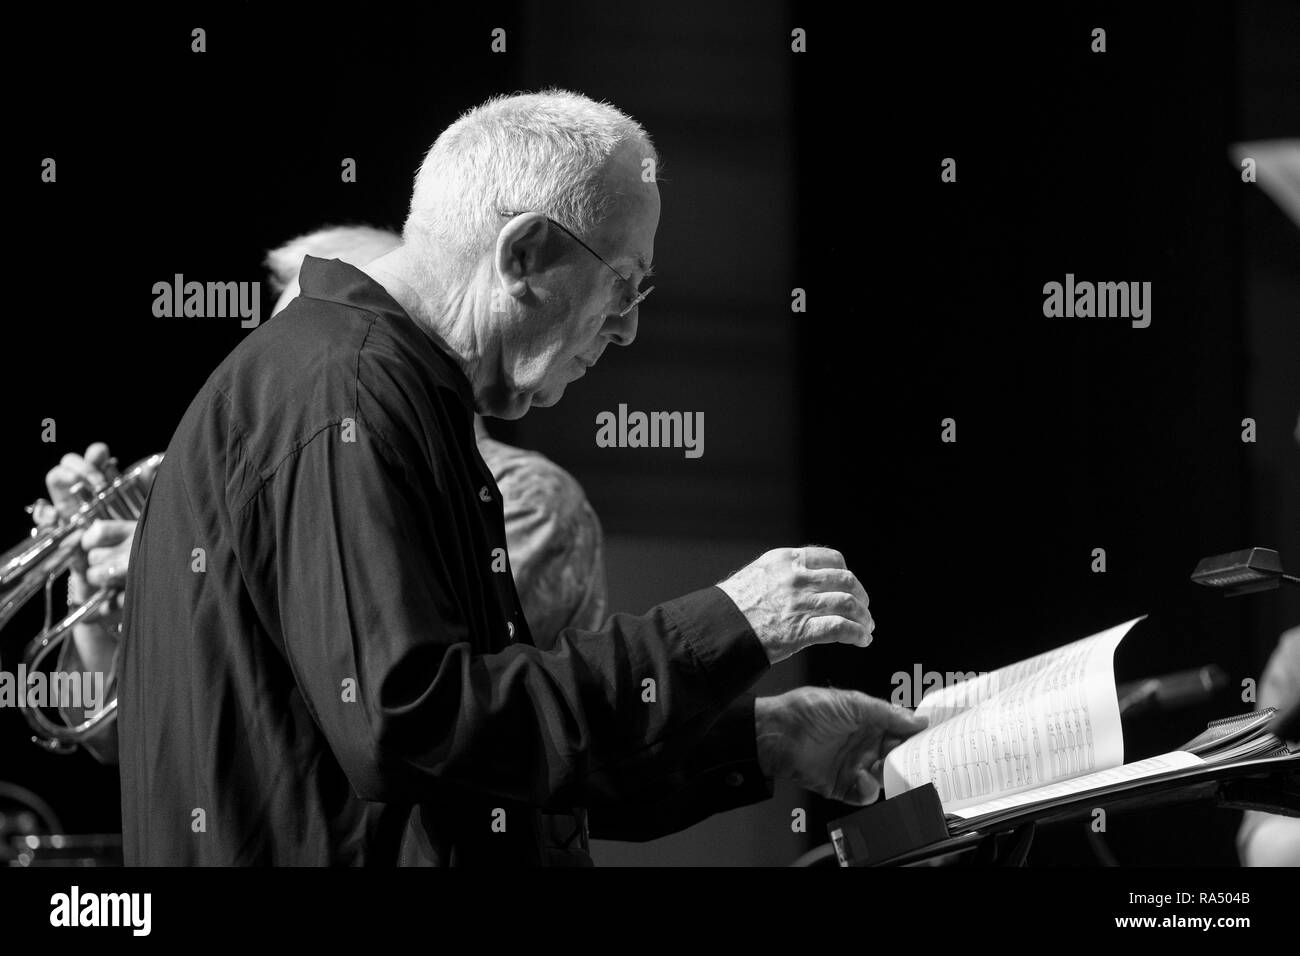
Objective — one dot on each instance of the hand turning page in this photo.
(1045, 719)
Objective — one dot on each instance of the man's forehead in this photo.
(626, 241)
(628, 231)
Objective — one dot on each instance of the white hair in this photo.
(355, 245)
(532, 152)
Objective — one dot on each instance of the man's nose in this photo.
(622, 329)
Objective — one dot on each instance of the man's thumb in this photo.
(896, 719)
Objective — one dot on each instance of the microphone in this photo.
(1245, 572)
(1170, 692)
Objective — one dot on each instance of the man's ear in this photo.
(520, 249)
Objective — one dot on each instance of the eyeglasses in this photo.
(637, 297)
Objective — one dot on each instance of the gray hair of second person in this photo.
(537, 152)
(355, 245)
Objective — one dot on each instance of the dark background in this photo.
(819, 171)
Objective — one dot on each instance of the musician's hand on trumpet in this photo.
(84, 532)
(105, 553)
(107, 544)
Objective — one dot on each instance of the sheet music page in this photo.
(946, 702)
(1152, 766)
(1043, 720)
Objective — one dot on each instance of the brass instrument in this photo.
(37, 563)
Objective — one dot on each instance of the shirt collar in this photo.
(336, 281)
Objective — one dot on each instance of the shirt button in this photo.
(484, 495)
(735, 778)
(510, 628)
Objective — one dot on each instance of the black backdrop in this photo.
(924, 298)
(1072, 434)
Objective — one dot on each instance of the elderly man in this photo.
(553, 540)
(325, 658)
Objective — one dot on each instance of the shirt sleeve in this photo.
(720, 773)
(375, 595)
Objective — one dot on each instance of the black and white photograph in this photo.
(663, 438)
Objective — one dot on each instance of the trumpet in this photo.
(37, 563)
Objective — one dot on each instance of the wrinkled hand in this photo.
(795, 597)
(832, 742)
(105, 544)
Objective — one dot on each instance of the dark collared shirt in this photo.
(325, 661)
